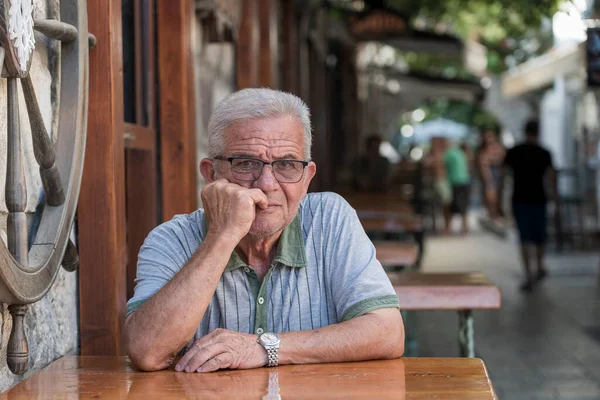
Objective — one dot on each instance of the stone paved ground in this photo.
(544, 345)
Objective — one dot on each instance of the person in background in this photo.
(457, 170)
(371, 171)
(531, 165)
(435, 162)
(489, 162)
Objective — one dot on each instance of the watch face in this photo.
(269, 339)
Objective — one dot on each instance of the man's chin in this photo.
(263, 230)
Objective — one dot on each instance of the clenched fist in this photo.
(231, 208)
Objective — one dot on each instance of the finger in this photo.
(259, 198)
(196, 347)
(202, 356)
(220, 361)
(187, 356)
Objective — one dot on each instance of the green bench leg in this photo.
(466, 333)
(411, 344)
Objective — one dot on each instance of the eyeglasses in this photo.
(249, 169)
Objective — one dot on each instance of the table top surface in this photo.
(407, 378)
(392, 225)
(393, 253)
(379, 201)
(445, 291)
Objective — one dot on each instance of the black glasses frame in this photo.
(272, 163)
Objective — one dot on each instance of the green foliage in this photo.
(458, 111)
(509, 28)
(436, 65)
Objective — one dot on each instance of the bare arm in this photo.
(166, 322)
(375, 335)
(378, 334)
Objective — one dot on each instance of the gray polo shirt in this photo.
(324, 272)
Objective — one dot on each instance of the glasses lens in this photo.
(287, 171)
(246, 169)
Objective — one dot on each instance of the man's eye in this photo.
(286, 164)
(246, 164)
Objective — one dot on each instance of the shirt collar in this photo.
(291, 250)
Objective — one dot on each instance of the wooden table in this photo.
(462, 292)
(390, 222)
(409, 378)
(396, 254)
(387, 213)
(386, 202)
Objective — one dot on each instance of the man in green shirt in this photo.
(457, 171)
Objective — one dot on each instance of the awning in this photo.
(392, 28)
(389, 27)
(541, 71)
(422, 86)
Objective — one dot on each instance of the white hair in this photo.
(253, 104)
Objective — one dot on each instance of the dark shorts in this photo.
(531, 222)
(460, 199)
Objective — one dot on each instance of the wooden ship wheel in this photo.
(29, 268)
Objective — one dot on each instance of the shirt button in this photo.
(247, 270)
(259, 331)
(261, 300)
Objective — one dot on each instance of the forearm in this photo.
(375, 335)
(167, 321)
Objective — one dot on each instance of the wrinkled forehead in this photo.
(281, 133)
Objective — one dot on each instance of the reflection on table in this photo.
(408, 378)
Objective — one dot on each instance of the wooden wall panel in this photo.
(290, 79)
(247, 47)
(269, 43)
(101, 212)
(177, 121)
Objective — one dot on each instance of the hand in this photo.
(221, 349)
(231, 208)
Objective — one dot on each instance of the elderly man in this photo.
(264, 274)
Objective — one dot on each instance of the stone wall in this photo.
(51, 324)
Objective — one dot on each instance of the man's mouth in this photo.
(269, 207)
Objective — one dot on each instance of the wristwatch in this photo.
(270, 342)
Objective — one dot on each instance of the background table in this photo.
(461, 292)
(408, 378)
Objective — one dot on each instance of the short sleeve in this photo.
(164, 252)
(359, 282)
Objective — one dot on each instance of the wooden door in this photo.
(125, 190)
(140, 137)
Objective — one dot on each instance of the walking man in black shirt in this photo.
(531, 165)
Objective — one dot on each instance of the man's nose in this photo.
(266, 181)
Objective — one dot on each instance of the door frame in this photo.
(102, 240)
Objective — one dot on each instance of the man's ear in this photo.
(208, 170)
(309, 174)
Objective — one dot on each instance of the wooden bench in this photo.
(385, 202)
(397, 224)
(393, 223)
(396, 254)
(462, 292)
